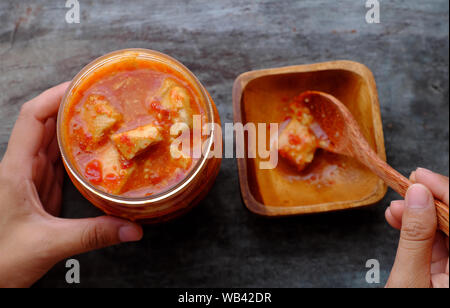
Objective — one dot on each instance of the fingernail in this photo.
(129, 233)
(418, 197)
(412, 177)
(396, 203)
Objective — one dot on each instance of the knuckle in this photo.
(94, 237)
(416, 230)
(25, 110)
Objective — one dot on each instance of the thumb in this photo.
(413, 261)
(76, 236)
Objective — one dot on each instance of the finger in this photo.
(46, 105)
(412, 177)
(438, 184)
(29, 130)
(39, 165)
(397, 209)
(419, 223)
(440, 254)
(391, 219)
(438, 266)
(75, 236)
(53, 150)
(440, 281)
(50, 132)
(53, 206)
(40, 161)
(59, 172)
(440, 250)
(47, 184)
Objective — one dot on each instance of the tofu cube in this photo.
(115, 170)
(297, 144)
(179, 158)
(301, 112)
(99, 116)
(177, 100)
(133, 142)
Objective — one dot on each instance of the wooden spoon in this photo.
(345, 138)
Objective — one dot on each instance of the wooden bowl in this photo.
(332, 182)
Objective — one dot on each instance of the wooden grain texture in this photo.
(347, 139)
(219, 244)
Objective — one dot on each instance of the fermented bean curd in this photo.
(300, 135)
(124, 128)
(117, 127)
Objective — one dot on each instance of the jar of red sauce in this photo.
(131, 94)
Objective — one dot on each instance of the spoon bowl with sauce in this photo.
(345, 137)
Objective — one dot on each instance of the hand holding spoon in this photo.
(346, 138)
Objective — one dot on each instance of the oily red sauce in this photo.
(130, 87)
(326, 166)
(322, 171)
(93, 172)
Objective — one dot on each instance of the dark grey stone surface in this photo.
(221, 244)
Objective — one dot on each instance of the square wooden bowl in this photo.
(332, 182)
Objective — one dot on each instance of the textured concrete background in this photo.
(221, 244)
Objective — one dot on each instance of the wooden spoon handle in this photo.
(399, 183)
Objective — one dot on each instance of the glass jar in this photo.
(170, 203)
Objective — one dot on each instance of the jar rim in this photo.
(151, 55)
